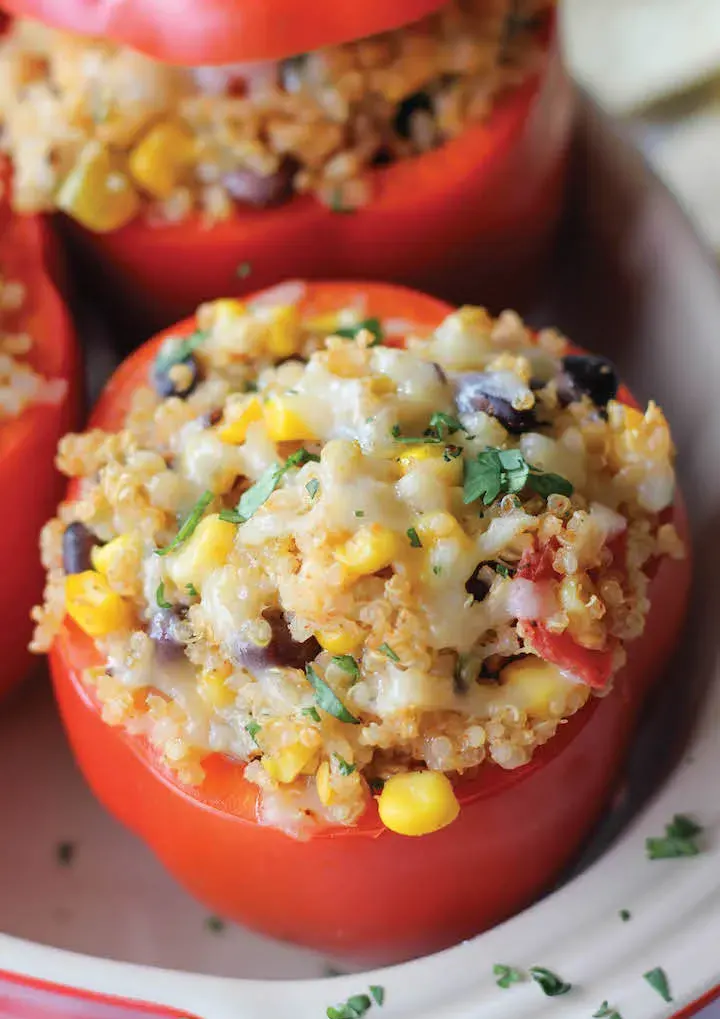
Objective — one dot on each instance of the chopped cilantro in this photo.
(550, 982)
(451, 453)
(189, 524)
(215, 924)
(348, 664)
(388, 652)
(243, 270)
(437, 570)
(606, 1012)
(443, 424)
(178, 352)
(343, 766)
(502, 570)
(359, 513)
(312, 487)
(679, 840)
(378, 994)
(496, 472)
(659, 982)
(252, 729)
(414, 537)
(372, 325)
(312, 713)
(625, 915)
(249, 386)
(65, 853)
(260, 492)
(411, 440)
(327, 700)
(376, 784)
(300, 457)
(160, 596)
(192, 590)
(506, 975)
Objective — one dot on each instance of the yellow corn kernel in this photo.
(324, 785)
(94, 606)
(214, 689)
(533, 685)
(283, 423)
(325, 324)
(207, 548)
(159, 159)
(451, 468)
(226, 312)
(97, 193)
(417, 802)
(370, 549)
(288, 763)
(105, 558)
(234, 428)
(338, 641)
(434, 526)
(284, 335)
(382, 385)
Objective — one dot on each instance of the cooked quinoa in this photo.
(308, 547)
(106, 134)
(20, 385)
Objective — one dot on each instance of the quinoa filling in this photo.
(21, 385)
(105, 134)
(325, 547)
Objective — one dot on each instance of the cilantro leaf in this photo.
(550, 982)
(160, 596)
(312, 713)
(378, 994)
(388, 652)
(679, 840)
(178, 352)
(343, 766)
(442, 424)
(606, 1012)
(414, 537)
(549, 484)
(506, 975)
(327, 699)
(625, 915)
(373, 325)
(260, 492)
(496, 472)
(192, 590)
(659, 982)
(348, 664)
(189, 524)
(252, 729)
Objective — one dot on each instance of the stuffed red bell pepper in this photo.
(214, 152)
(38, 401)
(372, 593)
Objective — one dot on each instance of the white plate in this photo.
(638, 285)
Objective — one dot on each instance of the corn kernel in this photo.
(284, 335)
(434, 526)
(97, 193)
(214, 688)
(326, 323)
(94, 606)
(382, 385)
(338, 641)
(234, 429)
(208, 547)
(418, 802)
(283, 423)
(324, 785)
(105, 558)
(288, 763)
(226, 312)
(451, 468)
(533, 685)
(370, 549)
(159, 159)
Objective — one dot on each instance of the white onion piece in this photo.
(610, 523)
(400, 327)
(529, 599)
(291, 292)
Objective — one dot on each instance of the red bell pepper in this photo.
(29, 484)
(364, 891)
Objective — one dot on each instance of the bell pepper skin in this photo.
(470, 221)
(28, 481)
(364, 892)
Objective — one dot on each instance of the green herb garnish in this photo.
(343, 766)
(378, 994)
(178, 352)
(354, 1008)
(160, 596)
(243, 270)
(442, 424)
(215, 924)
(414, 537)
(311, 713)
(388, 652)
(373, 325)
(65, 853)
(501, 569)
(300, 457)
(359, 513)
(679, 840)
(506, 975)
(260, 492)
(437, 570)
(606, 1012)
(192, 590)
(312, 488)
(411, 440)
(327, 700)
(550, 982)
(625, 915)
(659, 982)
(252, 729)
(348, 664)
(496, 472)
(189, 524)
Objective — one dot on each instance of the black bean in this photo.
(403, 118)
(77, 544)
(475, 391)
(165, 385)
(281, 651)
(163, 631)
(475, 586)
(263, 192)
(587, 375)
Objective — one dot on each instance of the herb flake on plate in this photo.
(215, 925)
(606, 1012)
(65, 853)
(550, 982)
(506, 975)
(659, 982)
(679, 840)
